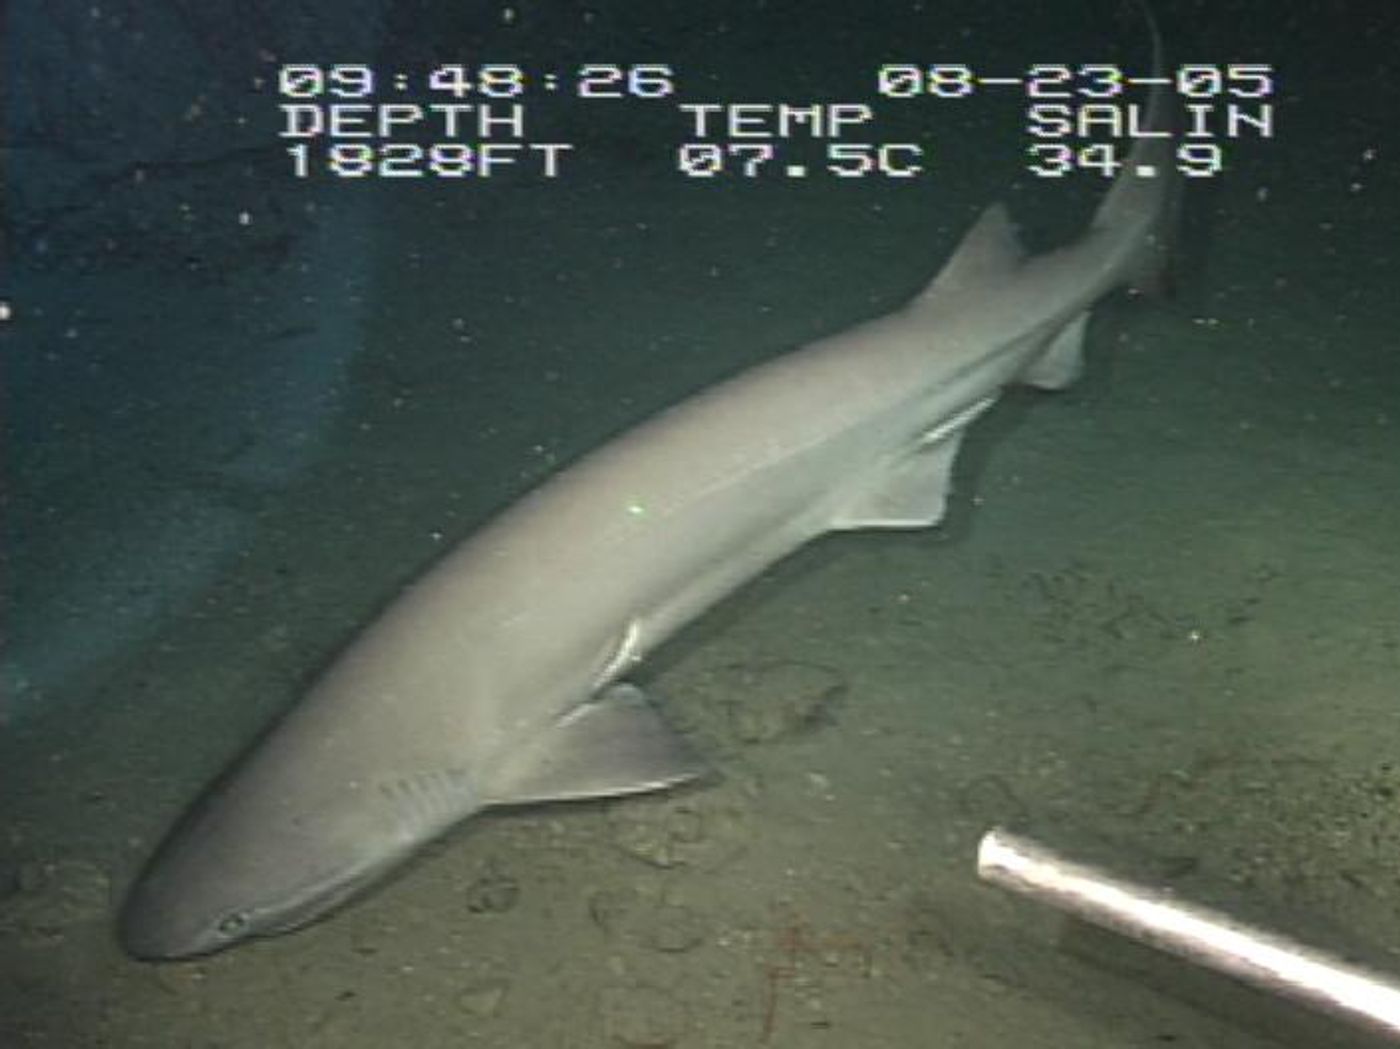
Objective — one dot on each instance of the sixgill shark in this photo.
(496, 678)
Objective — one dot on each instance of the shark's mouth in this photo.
(310, 904)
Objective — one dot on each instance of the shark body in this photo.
(497, 677)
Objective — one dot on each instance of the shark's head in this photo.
(260, 856)
(193, 900)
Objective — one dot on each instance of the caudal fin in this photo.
(1147, 190)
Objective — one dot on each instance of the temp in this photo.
(761, 120)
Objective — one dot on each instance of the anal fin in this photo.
(1063, 358)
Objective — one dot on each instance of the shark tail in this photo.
(1148, 172)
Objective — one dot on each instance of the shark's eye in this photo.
(233, 924)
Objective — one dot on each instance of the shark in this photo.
(501, 676)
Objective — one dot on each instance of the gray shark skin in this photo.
(495, 679)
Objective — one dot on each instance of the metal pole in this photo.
(1198, 934)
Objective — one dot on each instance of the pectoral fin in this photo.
(614, 744)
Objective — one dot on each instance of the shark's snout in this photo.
(156, 925)
(238, 870)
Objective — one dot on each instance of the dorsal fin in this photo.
(988, 252)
